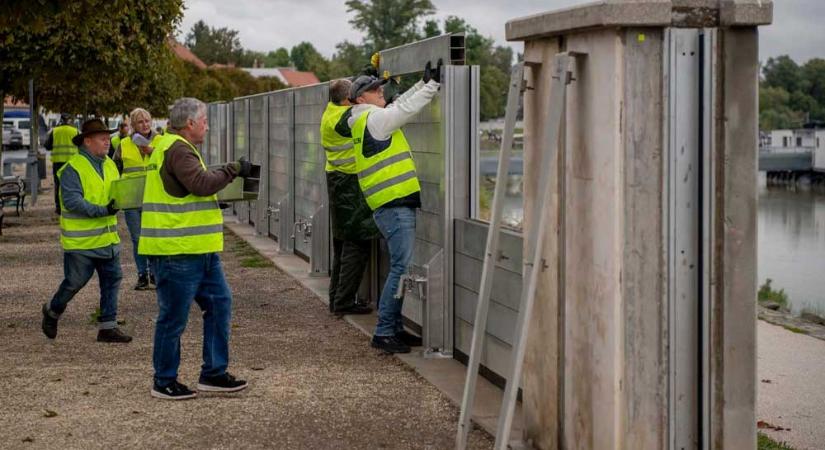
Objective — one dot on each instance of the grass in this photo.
(763, 442)
(768, 294)
(794, 329)
(249, 256)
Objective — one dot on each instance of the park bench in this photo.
(13, 188)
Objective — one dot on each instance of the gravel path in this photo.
(314, 381)
(791, 394)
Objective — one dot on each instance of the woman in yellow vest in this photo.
(132, 157)
(88, 232)
(387, 176)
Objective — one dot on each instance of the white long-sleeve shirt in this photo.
(382, 122)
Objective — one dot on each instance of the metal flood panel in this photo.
(280, 174)
(258, 121)
(470, 238)
(240, 146)
(311, 213)
(684, 216)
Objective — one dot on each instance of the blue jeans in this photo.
(397, 225)
(132, 217)
(77, 271)
(181, 279)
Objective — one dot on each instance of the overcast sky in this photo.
(264, 25)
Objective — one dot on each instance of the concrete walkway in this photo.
(315, 382)
(791, 394)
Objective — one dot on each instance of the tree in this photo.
(348, 60)
(278, 58)
(814, 73)
(93, 56)
(388, 23)
(307, 58)
(214, 45)
(785, 73)
(431, 29)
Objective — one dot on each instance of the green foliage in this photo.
(388, 23)
(88, 56)
(763, 442)
(791, 94)
(214, 45)
(768, 294)
(277, 58)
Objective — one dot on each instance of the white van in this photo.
(21, 124)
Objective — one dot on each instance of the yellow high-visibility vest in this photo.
(191, 225)
(134, 161)
(387, 175)
(338, 147)
(62, 147)
(79, 232)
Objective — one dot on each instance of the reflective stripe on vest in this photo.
(78, 232)
(134, 161)
(387, 175)
(62, 147)
(339, 150)
(177, 226)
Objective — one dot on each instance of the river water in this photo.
(792, 244)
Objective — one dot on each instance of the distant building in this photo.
(182, 52)
(801, 139)
(286, 75)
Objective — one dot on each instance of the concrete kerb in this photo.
(447, 375)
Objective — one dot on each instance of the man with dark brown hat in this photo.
(88, 232)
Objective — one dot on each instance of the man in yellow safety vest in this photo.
(387, 176)
(182, 235)
(353, 228)
(88, 232)
(59, 142)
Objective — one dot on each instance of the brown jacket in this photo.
(183, 174)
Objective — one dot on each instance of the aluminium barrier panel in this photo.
(258, 130)
(280, 182)
(240, 147)
(311, 222)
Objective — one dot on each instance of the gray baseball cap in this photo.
(365, 83)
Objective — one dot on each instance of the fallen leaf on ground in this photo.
(762, 425)
(49, 413)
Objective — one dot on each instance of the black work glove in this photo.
(433, 74)
(110, 208)
(244, 167)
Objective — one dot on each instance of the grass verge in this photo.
(763, 442)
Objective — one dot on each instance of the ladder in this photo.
(533, 264)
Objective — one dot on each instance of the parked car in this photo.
(12, 138)
(22, 125)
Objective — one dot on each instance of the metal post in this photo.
(533, 260)
(490, 256)
(31, 167)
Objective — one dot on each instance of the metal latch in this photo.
(303, 227)
(410, 282)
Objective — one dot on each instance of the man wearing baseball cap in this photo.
(388, 179)
(88, 232)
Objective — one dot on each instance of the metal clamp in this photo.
(408, 283)
(301, 226)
